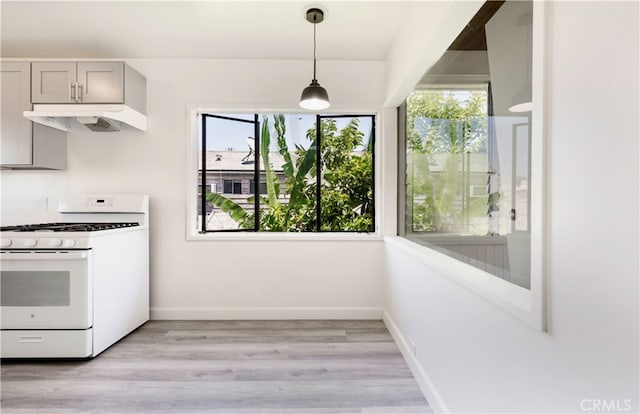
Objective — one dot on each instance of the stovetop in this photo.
(70, 227)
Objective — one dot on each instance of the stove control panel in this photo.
(99, 202)
(43, 243)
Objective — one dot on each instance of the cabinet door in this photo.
(101, 82)
(51, 82)
(15, 129)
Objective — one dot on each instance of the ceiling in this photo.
(354, 30)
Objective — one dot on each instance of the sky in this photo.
(223, 134)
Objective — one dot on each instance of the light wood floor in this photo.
(249, 367)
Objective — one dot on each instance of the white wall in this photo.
(430, 28)
(473, 357)
(191, 279)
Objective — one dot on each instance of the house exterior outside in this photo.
(231, 173)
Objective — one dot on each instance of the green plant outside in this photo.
(442, 127)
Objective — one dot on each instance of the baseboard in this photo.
(426, 386)
(264, 313)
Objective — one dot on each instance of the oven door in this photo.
(46, 289)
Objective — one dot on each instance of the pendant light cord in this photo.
(314, 49)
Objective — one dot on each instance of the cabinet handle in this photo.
(31, 339)
(80, 87)
(72, 91)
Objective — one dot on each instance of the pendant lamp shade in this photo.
(314, 96)
(521, 102)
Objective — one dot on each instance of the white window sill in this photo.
(295, 237)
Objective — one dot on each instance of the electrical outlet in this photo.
(412, 347)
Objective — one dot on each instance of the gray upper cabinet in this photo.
(77, 82)
(23, 144)
(52, 82)
(100, 82)
(15, 81)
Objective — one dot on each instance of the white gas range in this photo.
(71, 289)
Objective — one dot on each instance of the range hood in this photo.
(96, 117)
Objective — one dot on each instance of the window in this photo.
(315, 172)
(232, 187)
(447, 160)
(465, 166)
(252, 187)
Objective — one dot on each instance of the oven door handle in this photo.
(45, 255)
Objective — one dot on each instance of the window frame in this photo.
(194, 128)
(203, 175)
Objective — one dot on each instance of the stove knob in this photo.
(6, 242)
(30, 242)
(55, 243)
(68, 243)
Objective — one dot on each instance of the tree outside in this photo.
(447, 162)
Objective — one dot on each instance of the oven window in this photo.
(41, 288)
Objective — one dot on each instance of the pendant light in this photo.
(314, 96)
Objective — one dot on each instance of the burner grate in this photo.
(68, 227)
